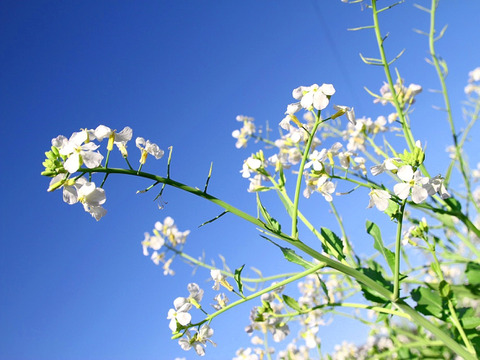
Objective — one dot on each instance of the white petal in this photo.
(73, 163)
(402, 190)
(183, 318)
(327, 89)
(320, 100)
(92, 159)
(405, 173)
(102, 132)
(419, 194)
(70, 195)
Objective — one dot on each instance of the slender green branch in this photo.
(227, 273)
(398, 243)
(298, 186)
(405, 126)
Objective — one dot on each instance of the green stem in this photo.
(224, 272)
(306, 152)
(398, 243)
(406, 128)
(264, 291)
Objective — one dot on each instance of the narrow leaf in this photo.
(389, 256)
(291, 302)
(238, 278)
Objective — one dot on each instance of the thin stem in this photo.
(406, 128)
(398, 243)
(306, 152)
(224, 272)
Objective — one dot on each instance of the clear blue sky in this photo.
(178, 73)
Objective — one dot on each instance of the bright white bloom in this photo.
(413, 181)
(249, 165)
(388, 164)
(91, 197)
(316, 159)
(345, 158)
(179, 314)
(314, 96)
(146, 147)
(379, 198)
(153, 242)
(120, 139)
(326, 187)
(219, 279)
(198, 341)
(79, 150)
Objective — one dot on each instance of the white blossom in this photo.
(379, 198)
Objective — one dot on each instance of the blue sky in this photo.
(178, 73)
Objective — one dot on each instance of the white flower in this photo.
(326, 187)
(249, 165)
(119, 139)
(379, 198)
(219, 279)
(87, 194)
(79, 150)
(388, 164)
(413, 181)
(221, 301)
(314, 96)
(179, 314)
(146, 147)
(153, 242)
(198, 341)
(436, 185)
(316, 159)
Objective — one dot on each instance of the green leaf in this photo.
(238, 278)
(393, 210)
(376, 276)
(444, 289)
(428, 302)
(293, 257)
(336, 244)
(473, 273)
(389, 256)
(273, 224)
(291, 302)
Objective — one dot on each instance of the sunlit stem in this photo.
(451, 307)
(406, 128)
(306, 152)
(398, 243)
(106, 166)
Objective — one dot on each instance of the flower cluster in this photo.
(68, 155)
(405, 95)
(166, 237)
(180, 320)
